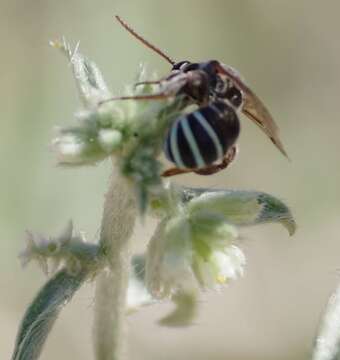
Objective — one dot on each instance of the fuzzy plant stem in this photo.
(119, 216)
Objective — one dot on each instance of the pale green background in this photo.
(289, 51)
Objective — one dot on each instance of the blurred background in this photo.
(289, 52)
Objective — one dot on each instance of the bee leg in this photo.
(215, 168)
(159, 96)
(210, 170)
(154, 82)
(176, 171)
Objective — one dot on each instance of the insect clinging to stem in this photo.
(196, 141)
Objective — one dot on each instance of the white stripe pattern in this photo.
(174, 146)
(192, 143)
(211, 132)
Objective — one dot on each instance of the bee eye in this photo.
(180, 65)
(190, 67)
(209, 67)
(234, 95)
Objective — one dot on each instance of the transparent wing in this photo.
(254, 108)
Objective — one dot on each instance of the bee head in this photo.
(181, 65)
(235, 96)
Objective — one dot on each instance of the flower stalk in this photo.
(120, 211)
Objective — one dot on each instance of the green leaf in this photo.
(43, 312)
(240, 207)
(141, 166)
(185, 311)
(327, 344)
(91, 85)
(275, 210)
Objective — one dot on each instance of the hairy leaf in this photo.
(91, 85)
(185, 311)
(43, 312)
(240, 207)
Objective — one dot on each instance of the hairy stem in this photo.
(116, 230)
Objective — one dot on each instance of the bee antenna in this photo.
(145, 42)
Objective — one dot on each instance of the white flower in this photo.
(216, 260)
(222, 266)
(109, 139)
(68, 147)
(190, 251)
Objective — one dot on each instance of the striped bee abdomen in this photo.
(198, 139)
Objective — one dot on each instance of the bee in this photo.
(203, 141)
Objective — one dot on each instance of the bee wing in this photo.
(254, 108)
(256, 111)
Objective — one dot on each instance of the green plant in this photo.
(194, 246)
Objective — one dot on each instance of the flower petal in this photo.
(169, 258)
